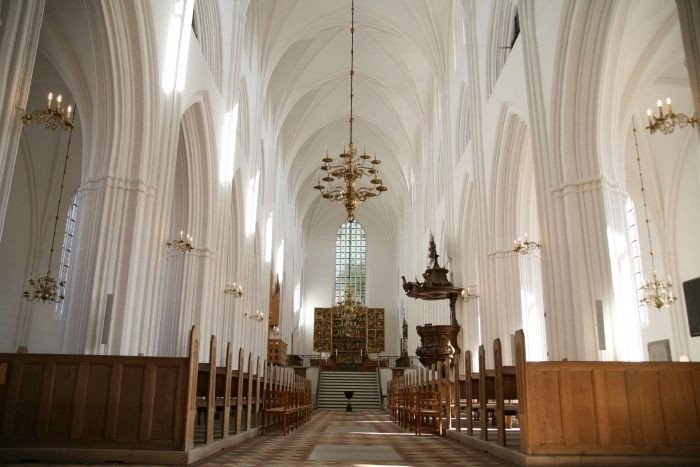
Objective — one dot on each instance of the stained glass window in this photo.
(350, 261)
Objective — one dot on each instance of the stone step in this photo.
(333, 385)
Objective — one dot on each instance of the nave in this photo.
(361, 438)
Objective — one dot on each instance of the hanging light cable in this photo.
(46, 288)
(657, 292)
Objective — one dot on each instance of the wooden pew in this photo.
(487, 391)
(505, 389)
(470, 386)
(287, 399)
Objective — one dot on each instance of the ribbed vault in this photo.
(399, 52)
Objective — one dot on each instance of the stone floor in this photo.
(362, 438)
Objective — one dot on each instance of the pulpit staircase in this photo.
(333, 384)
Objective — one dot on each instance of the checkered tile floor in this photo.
(362, 438)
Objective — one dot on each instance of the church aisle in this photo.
(362, 438)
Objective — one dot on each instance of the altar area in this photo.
(349, 332)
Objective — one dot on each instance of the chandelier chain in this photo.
(352, 60)
(644, 196)
(344, 179)
(60, 190)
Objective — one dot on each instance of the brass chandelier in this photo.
(53, 116)
(656, 292)
(667, 121)
(343, 178)
(526, 247)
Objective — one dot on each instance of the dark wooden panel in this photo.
(677, 403)
(613, 393)
(4, 371)
(651, 421)
(148, 396)
(130, 397)
(79, 399)
(96, 402)
(163, 427)
(60, 412)
(26, 410)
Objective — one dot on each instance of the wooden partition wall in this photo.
(92, 401)
(75, 407)
(608, 407)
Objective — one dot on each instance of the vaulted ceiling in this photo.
(400, 57)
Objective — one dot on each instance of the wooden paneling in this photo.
(612, 408)
(165, 398)
(96, 402)
(93, 401)
(60, 410)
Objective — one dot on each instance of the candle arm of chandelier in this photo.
(665, 122)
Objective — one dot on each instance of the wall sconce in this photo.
(181, 244)
(236, 290)
(53, 116)
(258, 315)
(469, 293)
(666, 122)
(525, 247)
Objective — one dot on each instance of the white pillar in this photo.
(689, 17)
(20, 24)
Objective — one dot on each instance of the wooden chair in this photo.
(276, 409)
(427, 407)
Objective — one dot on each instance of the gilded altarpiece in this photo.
(349, 335)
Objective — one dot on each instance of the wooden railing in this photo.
(315, 360)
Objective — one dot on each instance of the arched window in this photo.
(67, 248)
(635, 256)
(350, 261)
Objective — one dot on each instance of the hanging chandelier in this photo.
(235, 290)
(181, 244)
(667, 121)
(526, 247)
(53, 116)
(47, 288)
(656, 292)
(343, 179)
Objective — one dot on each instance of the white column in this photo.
(689, 17)
(20, 24)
